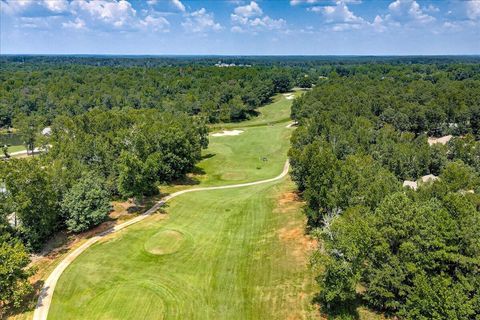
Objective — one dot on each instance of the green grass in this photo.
(222, 254)
(257, 153)
(233, 262)
(16, 148)
(275, 112)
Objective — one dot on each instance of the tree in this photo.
(34, 198)
(29, 128)
(86, 204)
(5, 151)
(459, 176)
(282, 82)
(14, 274)
(132, 181)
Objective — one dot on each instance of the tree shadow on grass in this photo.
(345, 311)
(207, 156)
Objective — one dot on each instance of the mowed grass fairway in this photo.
(217, 254)
(275, 112)
(257, 153)
(233, 254)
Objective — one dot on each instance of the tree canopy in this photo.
(413, 254)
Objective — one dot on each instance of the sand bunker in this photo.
(288, 96)
(227, 133)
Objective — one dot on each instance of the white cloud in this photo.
(201, 21)
(407, 11)
(117, 14)
(178, 4)
(473, 9)
(340, 17)
(299, 2)
(236, 29)
(36, 22)
(312, 2)
(250, 10)
(250, 18)
(76, 24)
(339, 13)
(98, 15)
(431, 8)
(378, 25)
(153, 23)
(56, 5)
(34, 8)
(452, 26)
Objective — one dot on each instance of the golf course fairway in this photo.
(237, 253)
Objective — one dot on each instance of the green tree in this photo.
(459, 176)
(132, 181)
(14, 274)
(34, 198)
(29, 128)
(86, 204)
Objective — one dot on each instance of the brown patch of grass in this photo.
(293, 234)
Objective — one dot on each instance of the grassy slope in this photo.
(239, 259)
(242, 254)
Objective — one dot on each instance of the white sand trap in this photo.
(227, 133)
(288, 96)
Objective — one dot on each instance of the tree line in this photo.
(409, 253)
(217, 94)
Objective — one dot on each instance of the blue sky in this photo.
(282, 27)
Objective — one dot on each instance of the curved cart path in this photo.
(46, 294)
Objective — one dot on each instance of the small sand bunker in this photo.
(227, 133)
(288, 96)
(165, 242)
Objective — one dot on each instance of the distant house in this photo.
(428, 178)
(47, 131)
(13, 220)
(221, 64)
(425, 179)
(410, 184)
(441, 140)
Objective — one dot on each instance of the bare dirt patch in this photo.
(293, 233)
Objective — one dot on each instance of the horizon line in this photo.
(240, 55)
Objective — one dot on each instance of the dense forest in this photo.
(405, 252)
(217, 94)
